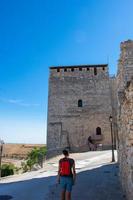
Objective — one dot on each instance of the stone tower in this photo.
(79, 106)
(125, 65)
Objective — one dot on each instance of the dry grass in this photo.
(18, 150)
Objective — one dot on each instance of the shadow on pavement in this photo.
(101, 183)
(32, 189)
(5, 197)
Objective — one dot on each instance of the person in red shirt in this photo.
(66, 175)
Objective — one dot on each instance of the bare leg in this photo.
(68, 195)
(63, 195)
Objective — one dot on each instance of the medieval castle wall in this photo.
(69, 123)
(81, 99)
(125, 117)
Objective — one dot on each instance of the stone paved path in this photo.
(101, 183)
(97, 179)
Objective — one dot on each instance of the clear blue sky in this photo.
(35, 34)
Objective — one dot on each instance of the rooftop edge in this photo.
(78, 66)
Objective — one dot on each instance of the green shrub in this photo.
(7, 170)
(24, 167)
(36, 156)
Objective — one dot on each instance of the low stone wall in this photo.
(125, 133)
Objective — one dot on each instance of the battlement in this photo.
(79, 70)
(125, 66)
(126, 44)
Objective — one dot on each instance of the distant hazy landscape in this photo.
(19, 151)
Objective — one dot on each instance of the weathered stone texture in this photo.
(102, 96)
(125, 118)
(125, 65)
(126, 141)
(70, 125)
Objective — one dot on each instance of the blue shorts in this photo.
(66, 183)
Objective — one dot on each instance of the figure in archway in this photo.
(91, 144)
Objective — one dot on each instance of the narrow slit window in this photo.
(72, 70)
(88, 68)
(103, 68)
(95, 71)
(58, 70)
(65, 70)
(80, 103)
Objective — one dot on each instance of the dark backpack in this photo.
(65, 167)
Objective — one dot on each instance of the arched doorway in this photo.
(98, 131)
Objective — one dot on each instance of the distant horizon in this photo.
(25, 143)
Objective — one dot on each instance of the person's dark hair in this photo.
(65, 152)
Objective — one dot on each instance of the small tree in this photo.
(30, 163)
(24, 166)
(36, 156)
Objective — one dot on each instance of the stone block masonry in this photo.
(79, 106)
(81, 99)
(125, 117)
